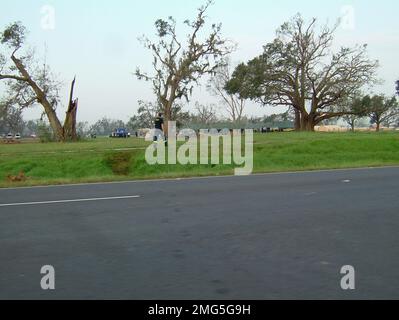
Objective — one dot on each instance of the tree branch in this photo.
(12, 77)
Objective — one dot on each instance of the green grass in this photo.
(104, 160)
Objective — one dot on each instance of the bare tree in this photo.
(298, 69)
(205, 114)
(177, 66)
(146, 113)
(29, 83)
(234, 104)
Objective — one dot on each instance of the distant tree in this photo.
(356, 107)
(133, 124)
(31, 127)
(279, 117)
(178, 67)
(182, 117)
(289, 115)
(397, 87)
(10, 119)
(44, 132)
(28, 83)
(204, 114)
(82, 129)
(105, 126)
(299, 70)
(383, 111)
(147, 112)
(234, 104)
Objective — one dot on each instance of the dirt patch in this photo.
(21, 177)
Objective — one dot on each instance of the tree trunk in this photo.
(378, 126)
(167, 116)
(310, 125)
(62, 133)
(307, 123)
(70, 133)
(297, 120)
(42, 99)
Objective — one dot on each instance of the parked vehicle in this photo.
(119, 133)
(18, 136)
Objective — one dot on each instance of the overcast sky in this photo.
(97, 40)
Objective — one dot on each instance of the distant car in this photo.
(17, 136)
(33, 136)
(119, 133)
(10, 136)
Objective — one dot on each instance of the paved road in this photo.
(258, 237)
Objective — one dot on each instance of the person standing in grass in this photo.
(159, 127)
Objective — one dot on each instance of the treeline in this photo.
(376, 110)
(299, 69)
(205, 116)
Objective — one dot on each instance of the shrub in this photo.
(45, 133)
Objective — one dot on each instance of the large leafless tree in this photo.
(299, 69)
(29, 83)
(179, 64)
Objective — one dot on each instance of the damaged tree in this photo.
(35, 85)
(300, 70)
(178, 66)
(69, 129)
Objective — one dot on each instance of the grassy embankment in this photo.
(107, 159)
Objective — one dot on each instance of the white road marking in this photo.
(65, 201)
(346, 181)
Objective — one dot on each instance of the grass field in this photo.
(95, 160)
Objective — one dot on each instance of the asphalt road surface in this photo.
(278, 236)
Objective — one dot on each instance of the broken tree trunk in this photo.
(42, 99)
(62, 133)
(70, 133)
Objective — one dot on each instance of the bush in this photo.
(119, 162)
(45, 133)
